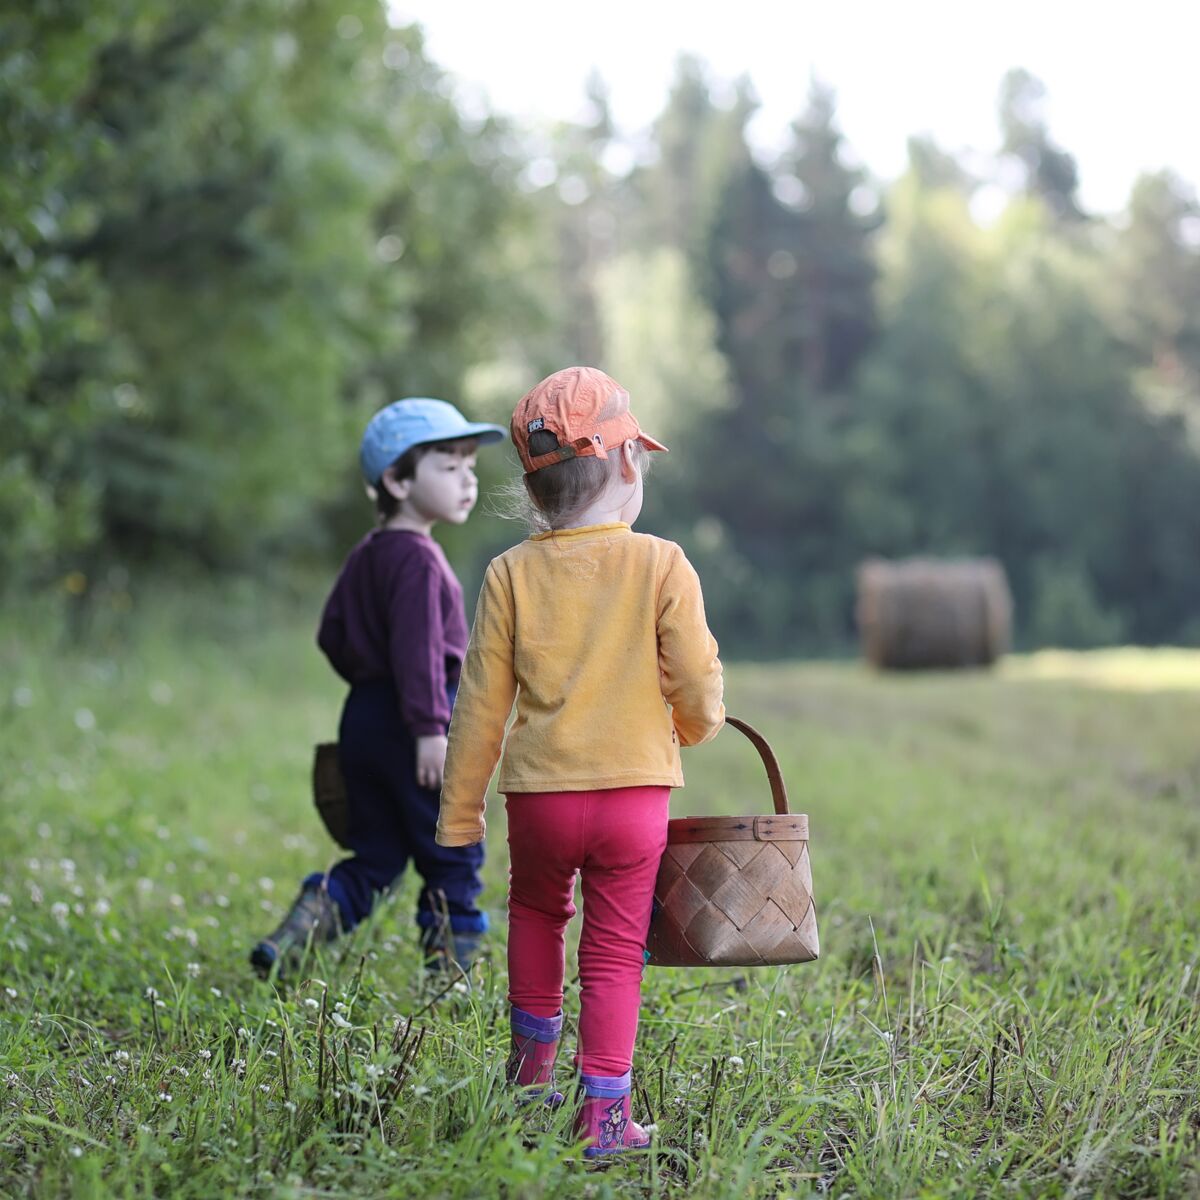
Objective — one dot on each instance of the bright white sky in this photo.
(1122, 78)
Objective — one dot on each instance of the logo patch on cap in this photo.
(534, 426)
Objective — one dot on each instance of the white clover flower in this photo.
(12, 1079)
(216, 991)
(5, 900)
(76, 1152)
(262, 1087)
(160, 1004)
(205, 1054)
(145, 886)
(207, 1075)
(340, 1007)
(11, 993)
(267, 884)
(60, 911)
(373, 1071)
(121, 1055)
(165, 1097)
(193, 970)
(420, 1090)
(311, 1003)
(239, 1066)
(102, 907)
(736, 1062)
(181, 1071)
(243, 1032)
(35, 893)
(290, 1105)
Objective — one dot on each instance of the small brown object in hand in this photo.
(329, 793)
(736, 891)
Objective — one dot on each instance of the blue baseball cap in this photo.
(413, 422)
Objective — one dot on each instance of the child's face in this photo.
(444, 487)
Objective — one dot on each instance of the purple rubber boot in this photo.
(531, 1062)
(603, 1120)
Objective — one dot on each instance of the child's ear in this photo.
(398, 488)
(628, 467)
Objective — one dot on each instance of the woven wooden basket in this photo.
(329, 793)
(736, 891)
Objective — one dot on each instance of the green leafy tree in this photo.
(234, 229)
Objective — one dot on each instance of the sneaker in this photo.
(312, 920)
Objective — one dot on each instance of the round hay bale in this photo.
(922, 613)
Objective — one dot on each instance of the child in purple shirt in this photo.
(395, 630)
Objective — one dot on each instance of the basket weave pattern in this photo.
(736, 891)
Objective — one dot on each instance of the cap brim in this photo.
(652, 443)
(484, 434)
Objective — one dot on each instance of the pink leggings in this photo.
(615, 837)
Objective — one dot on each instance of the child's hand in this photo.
(431, 761)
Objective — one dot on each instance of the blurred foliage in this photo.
(230, 230)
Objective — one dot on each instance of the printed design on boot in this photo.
(612, 1126)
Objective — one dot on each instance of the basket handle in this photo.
(774, 774)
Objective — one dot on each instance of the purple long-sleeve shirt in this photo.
(396, 612)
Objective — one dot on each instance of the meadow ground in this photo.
(1007, 869)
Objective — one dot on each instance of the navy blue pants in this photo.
(392, 820)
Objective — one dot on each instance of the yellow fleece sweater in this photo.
(599, 633)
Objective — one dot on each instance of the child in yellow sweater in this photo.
(599, 634)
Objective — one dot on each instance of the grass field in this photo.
(1007, 870)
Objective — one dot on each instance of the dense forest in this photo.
(229, 231)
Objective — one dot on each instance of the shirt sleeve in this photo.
(486, 692)
(691, 673)
(417, 645)
(331, 635)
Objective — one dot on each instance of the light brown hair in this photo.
(550, 497)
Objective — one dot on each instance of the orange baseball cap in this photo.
(585, 409)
